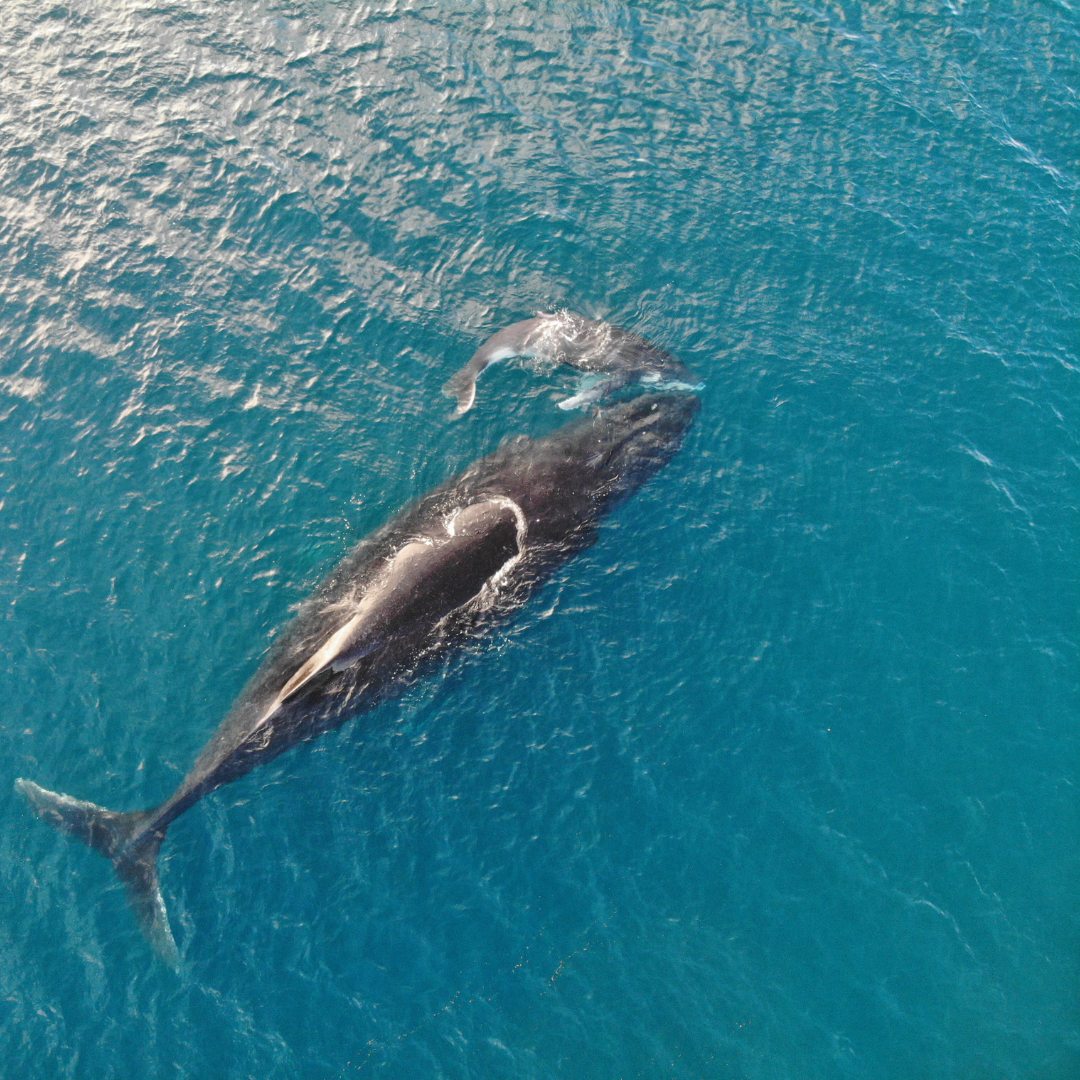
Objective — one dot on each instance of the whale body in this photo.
(618, 356)
(468, 553)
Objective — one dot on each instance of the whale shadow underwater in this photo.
(465, 555)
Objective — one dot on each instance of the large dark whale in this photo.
(468, 552)
(618, 356)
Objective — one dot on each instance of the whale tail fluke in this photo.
(462, 387)
(127, 843)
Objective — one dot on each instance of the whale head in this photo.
(631, 441)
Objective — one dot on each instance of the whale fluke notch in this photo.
(123, 839)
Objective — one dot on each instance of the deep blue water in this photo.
(778, 780)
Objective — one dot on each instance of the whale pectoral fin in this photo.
(678, 384)
(592, 390)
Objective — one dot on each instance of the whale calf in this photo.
(468, 553)
(617, 356)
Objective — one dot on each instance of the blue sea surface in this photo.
(779, 779)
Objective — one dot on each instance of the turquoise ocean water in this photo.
(778, 780)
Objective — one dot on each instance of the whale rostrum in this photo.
(464, 556)
(612, 356)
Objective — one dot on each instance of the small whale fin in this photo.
(590, 389)
(124, 840)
